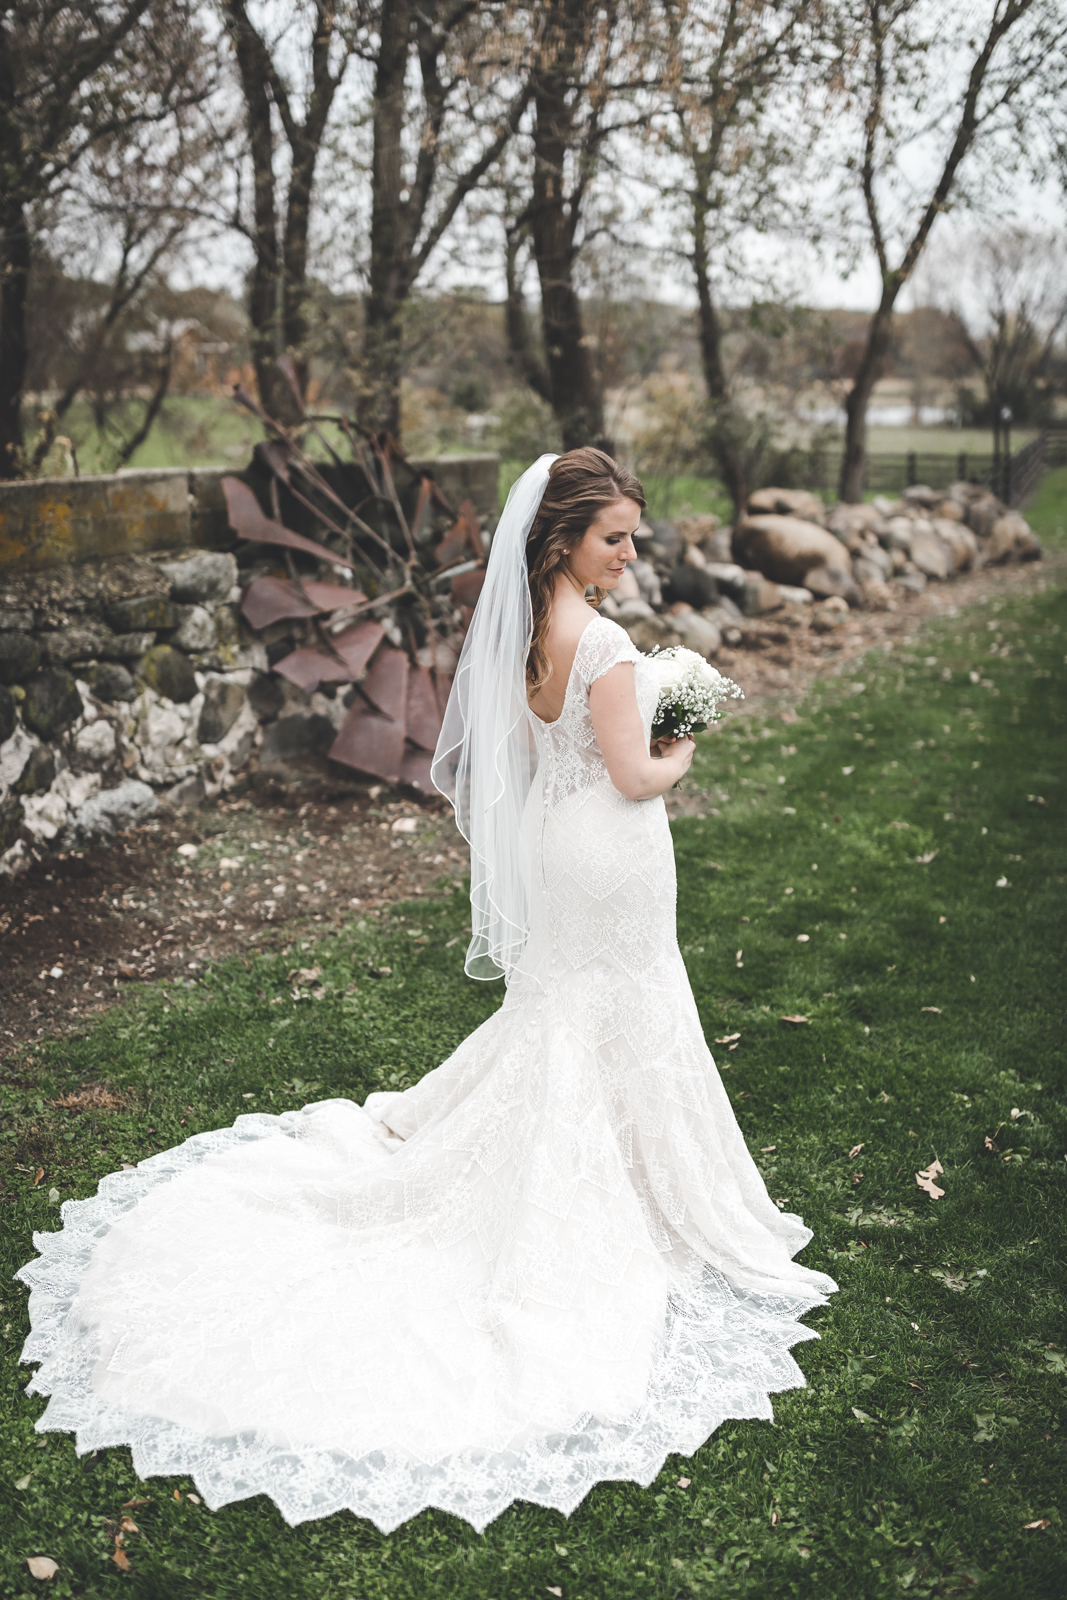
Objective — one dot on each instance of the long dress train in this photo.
(551, 1262)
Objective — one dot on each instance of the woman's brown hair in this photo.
(580, 485)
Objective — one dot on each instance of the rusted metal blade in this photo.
(468, 586)
(311, 665)
(370, 742)
(386, 683)
(423, 716)
(466, 534)
(415, 769)
(267, 600)
(249, 521)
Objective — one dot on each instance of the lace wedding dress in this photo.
(549, 1263)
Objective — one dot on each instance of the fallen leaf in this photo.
(683, 1483)
(550, 1590)
(854, 1152)
(42, 1566)
(991, 1144)
(195, 1498)
(1002, 883)
(40, 1175)
(924, 861)
(803, 938)
(24, 1483)
(405, 825)
(303, 974)
(177, 1496)
(925, 1180)
(765, 1149)
(856, 1177)
(728, 1038)
(138, 1500)
(1042, 1522)
(935, 1009)
(848, 771)
(121, 1559)
(797, 1019)
(883, 1097)
(129, 1526)
(861, 1416)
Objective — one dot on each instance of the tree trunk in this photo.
(14, 349)
(516, 325)
(708, 314)
(379, 408)
(575, 389)
(854, 464)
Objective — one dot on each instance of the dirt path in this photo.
(297, 852)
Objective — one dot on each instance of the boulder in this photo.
(52, 703)
(305, 734)
(871, 550)
(200, 576)
(794, 596)
(266, 696)
(960, 541)
(910, 582)
(39, 773)
(785, 548)
(848, 520)
(948, 511)
(982, 514)
(627, 587)
(227, 631)
(169, 673)
(75, 644)
(668, 542)
(833, 582)
(648, 632)
(126, 646)
(698, 633)
(8, 717)
(123, 807)
(725, 609)
(878, 596)
(627, 611)
(20, 656)
(195, 630)
(695, 586)
(787, 503)
(647, 580)
(111, 683)
(867, 572)
(16, 621)
(698, 530)
(95, 742)
(920, 494)
(223, 700)
(760, 595)
(931, 554)
(729, 579)
(145, 614)
(898, 533)
(1012, 539)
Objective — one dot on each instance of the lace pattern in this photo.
(550, 1262)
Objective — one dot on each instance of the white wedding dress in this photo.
(549, 1263)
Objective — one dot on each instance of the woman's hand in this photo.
(679, 752)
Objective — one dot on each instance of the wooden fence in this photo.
(1012, 476)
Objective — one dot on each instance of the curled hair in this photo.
(580, 485)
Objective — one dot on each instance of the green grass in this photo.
(191, 431)
(933, 1427)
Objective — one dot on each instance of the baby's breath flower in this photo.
(690, 694)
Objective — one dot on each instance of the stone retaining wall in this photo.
(53, 522)
(127, 671)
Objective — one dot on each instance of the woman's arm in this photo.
(621, 737)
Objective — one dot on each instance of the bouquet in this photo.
(690, 692)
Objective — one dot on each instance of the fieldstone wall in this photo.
(128, 674)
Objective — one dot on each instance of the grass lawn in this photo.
(890, 866)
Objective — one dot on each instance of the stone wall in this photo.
(55, 522)
(127, 671)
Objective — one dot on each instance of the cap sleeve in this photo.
(602, 646)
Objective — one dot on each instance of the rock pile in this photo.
(694, 581)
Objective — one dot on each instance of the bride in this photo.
(553, 1260)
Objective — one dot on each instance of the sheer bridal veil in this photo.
(485, 759)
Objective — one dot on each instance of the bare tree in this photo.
(589, 66)
(967, 87)
(72, 77)
(279, 226)
(736, 121)
(434, 144)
